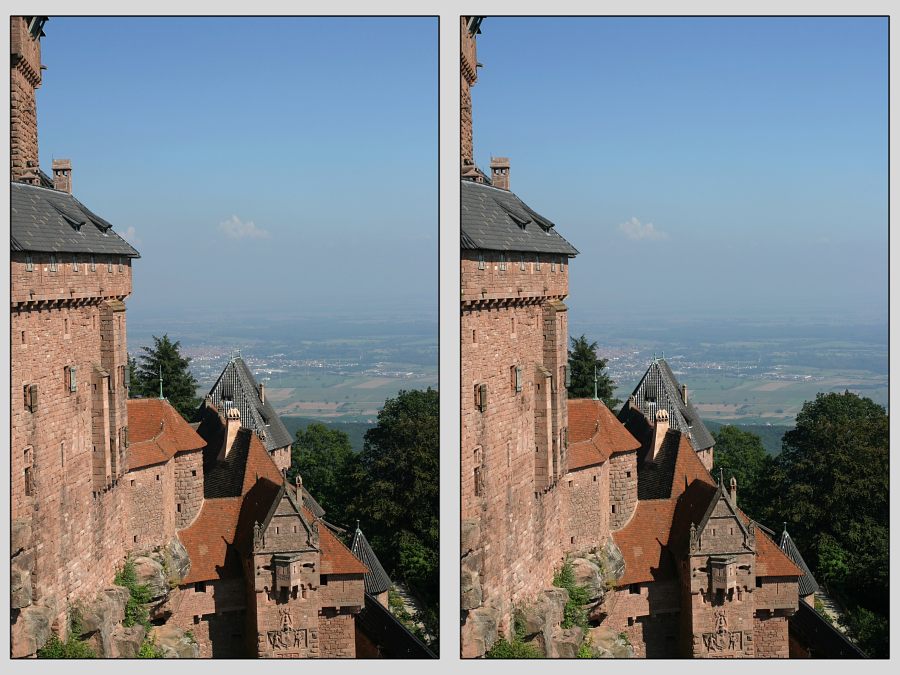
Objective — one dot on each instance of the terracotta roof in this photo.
(595, 434)
(156, 433)
(644, 542)
(224, 523)
(209, 541)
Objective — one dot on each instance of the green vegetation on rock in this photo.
(575, 612)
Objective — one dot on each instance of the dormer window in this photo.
(29, 263)
(93, 263)
(552, 264)
(522, 262)
(109, 265)
(54, 266)
(481, 261)
(74, 263)
(502, 262)
(121, 265)
(537, 264)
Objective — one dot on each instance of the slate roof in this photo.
(497, 220)
(808, 583)
(237, 386)
(51, 221)
(659, 388)
(156, 433)
(595, 434)
(376, 579)
(824, 641)
(393, 639)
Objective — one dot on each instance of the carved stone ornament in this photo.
(287, 637)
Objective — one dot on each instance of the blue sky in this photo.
(285, 163)
(732, 167)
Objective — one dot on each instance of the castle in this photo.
(547, 479)
(238, 561)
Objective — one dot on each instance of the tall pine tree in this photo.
(178, 383)
(582, 362)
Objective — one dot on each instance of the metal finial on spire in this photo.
(160, 381)
(357, 525)
(595, 383)
(720, 477)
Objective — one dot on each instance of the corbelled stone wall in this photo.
(151, 499)
(78, 532)
(513, 451)
(545, 276)
(467, 76)
(188, 473)
(622, 488)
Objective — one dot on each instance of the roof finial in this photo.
(357, 525)
(160, 381)
(720, 477)
(595, 383)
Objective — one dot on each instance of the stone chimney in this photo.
(733, 490)
(232, 426)
(500, 172)
(298, 481)
(660, 428)
(684, 394)
(262, 392)
(25, 34)
(62, 175)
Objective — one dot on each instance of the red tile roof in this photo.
(595, 434)
(156, 433)
(212, 539)
(644, 541)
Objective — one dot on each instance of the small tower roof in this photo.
(376, 579)
(807, 584)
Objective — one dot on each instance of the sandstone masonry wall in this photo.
(217, 610)
(771, 637)
(151, 499)
(650, 618)
(79, 534)
(188, 476)
(622, 488)
(588, 513)
(25, 76)
(336, 635)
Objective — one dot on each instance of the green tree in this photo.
(398, 493)
(830, 483)
(178, 384)
(326, 461)
(582, 364)
(740, 454)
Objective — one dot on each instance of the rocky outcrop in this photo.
(31, 629)
(479, 632)
(20, 567)
(587, 573)
(470, 535)
(126, 642)
(175, 643)
(99, 620)
(608, 644)
(564, 643)
(470, 581)
(20, 537)
(545, 614)
(149, 572)
(178, 561)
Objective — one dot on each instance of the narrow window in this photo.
(121, 265)
(634, 589)
(31, 397)
(479, 487)
(66, 326)
(481, 397)
(29, 475)
(23, 338)
(62, 453)
(93, 263)
(537, 264)
(552, 264)
(194, 472)
(109, 265)
(134, 539)
(29, 263)
(613, 508)
(517, 378)
(474, 336)
(571, 540)
(502, 262)
(512, 325)
(595, 479)
(53, 265)
(74, 263)
(759, 582)
(567, 376)
(200, 587)
(522, 262)
(178, 507)
(157, 476)
(132, 480)
(630, 620)
(73, 378)
(481, 261)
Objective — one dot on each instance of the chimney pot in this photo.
(62, 175)
(500, 172)
(262, 392)
(232, 426)
(684, 394)
(660, 428)
(733, 490)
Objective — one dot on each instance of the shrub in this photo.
(139, 595)
(574, 613)
(150, 650)
(73, 647)
(516, 649)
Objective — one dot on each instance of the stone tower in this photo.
(70, 274)
(514, 335)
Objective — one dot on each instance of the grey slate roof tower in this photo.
(807, 584)
(659, 389)
(237, 387)
(376, 579)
